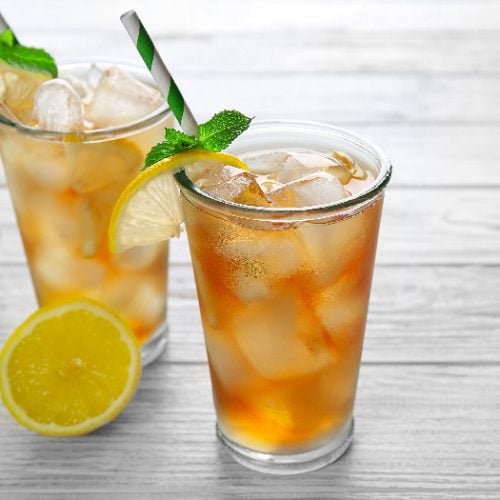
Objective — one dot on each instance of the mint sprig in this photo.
(214, 135)
(27, 58)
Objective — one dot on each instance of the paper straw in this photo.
(159, 71)
(5, 26)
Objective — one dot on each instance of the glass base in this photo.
(294, 463)
(154, 347)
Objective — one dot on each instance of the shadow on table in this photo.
(237, 480)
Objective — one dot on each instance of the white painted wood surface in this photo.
(422, 80)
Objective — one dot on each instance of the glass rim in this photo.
(100, 133)
(371, 192)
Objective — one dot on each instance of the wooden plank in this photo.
(348, 98)
(429, 226)
(419, 226)
(422, 314)
(421, 432)
(230, 16)
(304, 51)
(428, 154)
(416, 315)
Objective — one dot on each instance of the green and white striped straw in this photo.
(159, 71)
(4, 26)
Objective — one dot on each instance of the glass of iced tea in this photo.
(69, 147)
(283, 258)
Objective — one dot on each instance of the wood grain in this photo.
(269, 16)
(425, 155)
(293, 51)
(421, 80)
(347, 98)
(419, 226)
(417, 314)
(420, 431)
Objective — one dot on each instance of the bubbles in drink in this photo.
(262, 254)
(250, 288)
(58, 107)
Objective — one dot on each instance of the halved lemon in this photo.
(149, 209)
(69, 368)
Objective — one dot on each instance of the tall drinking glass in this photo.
(63, 187)
(283, 295)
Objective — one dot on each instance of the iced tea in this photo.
(283, 259)
(65, 181)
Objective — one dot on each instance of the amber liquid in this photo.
(284, 312)
(63, 195)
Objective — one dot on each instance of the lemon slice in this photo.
(149, 209)
(69, 368)
(17, 88)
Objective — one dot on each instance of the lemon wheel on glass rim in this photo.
(149, 209)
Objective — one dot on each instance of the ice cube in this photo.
(93, 76)
(251, 289)
(81, 87)
(227, 362)
(275, 338)
(340, 248)
(266, 163)
(319, 188)
(137, 258)
(58, 107)
(299, 165)
(233, 184)
(61, 270)
(120, 99)
(139, 300)
(313, 160)
(106, 165)
(53, 220)
(342, 311)
(269, 254)
(47, 164)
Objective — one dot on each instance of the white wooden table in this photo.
(422, 80)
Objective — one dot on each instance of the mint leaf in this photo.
(178, 137)
(175, 142)
(214, 135)
(222, 129)
(7, 38)
(27, 58)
